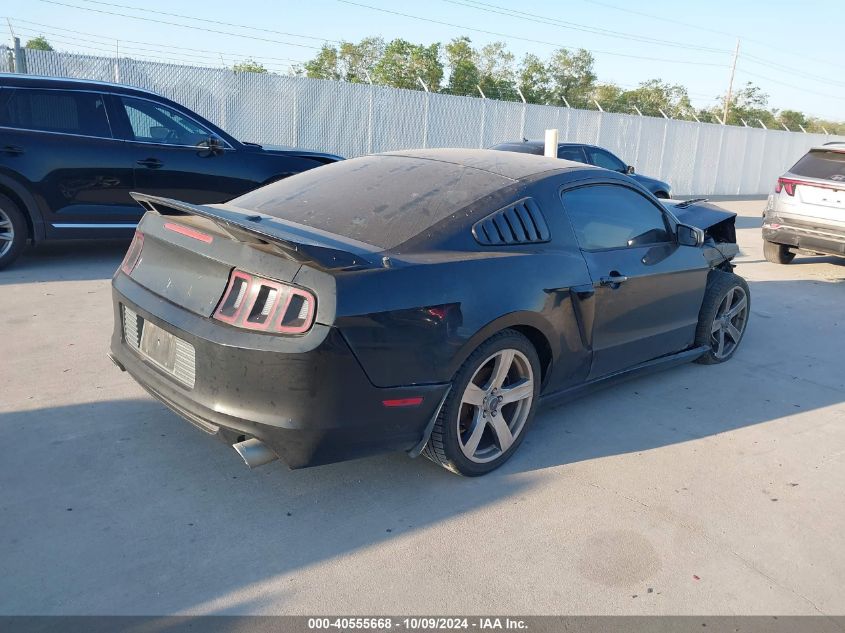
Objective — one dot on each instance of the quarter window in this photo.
(154, 123)
(62, 111)
(571, 153)
(613, 216)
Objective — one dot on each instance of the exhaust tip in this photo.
(255, 453)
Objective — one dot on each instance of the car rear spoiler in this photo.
(298, 242)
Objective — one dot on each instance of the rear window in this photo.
(521, 148)
(68, 112)
(380, 200)
(820, 163)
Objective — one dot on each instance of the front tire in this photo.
(13, 231)
(723, 317)
(777, 253)
(490, 407)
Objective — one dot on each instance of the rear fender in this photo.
(21, 195)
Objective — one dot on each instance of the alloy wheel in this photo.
(729, 322)
(7, 233)
(495, 405)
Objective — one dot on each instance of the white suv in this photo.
(807, 210)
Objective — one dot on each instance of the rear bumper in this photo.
(310, 407)
(821, 240)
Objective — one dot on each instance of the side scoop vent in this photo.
(518, 223)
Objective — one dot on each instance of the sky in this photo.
(790, 49)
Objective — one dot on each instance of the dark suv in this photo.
(592, 155)
(71, 151)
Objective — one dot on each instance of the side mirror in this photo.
(689, 235)
(212, 144)
(629, 170)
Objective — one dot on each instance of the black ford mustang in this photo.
(422, 301)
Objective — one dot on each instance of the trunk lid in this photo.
(189, 251)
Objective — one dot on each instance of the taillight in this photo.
(786, 185)
(256, 303)
(133, 255)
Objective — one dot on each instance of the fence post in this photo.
(663, 147)
(522, 116)
(20, 57)
(425, 112)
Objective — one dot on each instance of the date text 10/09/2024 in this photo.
(416, 624)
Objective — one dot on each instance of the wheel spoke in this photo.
(504, 438)
(478, 425)
(720, 350)
(733, 332)
(500, 370)
(5, 237)
(717, 325)
(5, 224)
(473, 395)
(729, 299)
(739, 307)
(518, 391)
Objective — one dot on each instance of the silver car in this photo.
(807, 211)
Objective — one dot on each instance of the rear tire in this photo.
(13, 231)
(777, 253)
(489, 408)
(723, 317)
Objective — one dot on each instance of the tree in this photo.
(497, 75)
(534, 80)
(749, 104)
(572, 77)
(655, 95)
(463, 71)
(249, 66)
(793, 119)
(347, 62)
(611, 98)
(403, 62)
(39, 43)
(357, 61)
(324, 65)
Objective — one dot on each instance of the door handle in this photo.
(151, 163)
(614, 279)
(12, 149)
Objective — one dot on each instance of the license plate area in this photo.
(158, 345)
(173, 355)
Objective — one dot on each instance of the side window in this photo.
(571, 153)
(155, 123)
(62, 111)
(601, 158)
(613, 216)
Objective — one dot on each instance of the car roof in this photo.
(508, 164)
(37, 81)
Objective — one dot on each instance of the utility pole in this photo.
(730, 84)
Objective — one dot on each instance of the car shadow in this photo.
(72, 260)
(149, 515)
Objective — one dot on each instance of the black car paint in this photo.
(401, 323)
(655, 186)
(74, 186)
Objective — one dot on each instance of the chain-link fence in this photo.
(355, 119)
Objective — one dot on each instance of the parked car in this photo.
(591, 155)
(423, 301)
(807, 210)
(71, 151)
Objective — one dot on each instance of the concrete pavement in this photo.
(700, 490)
